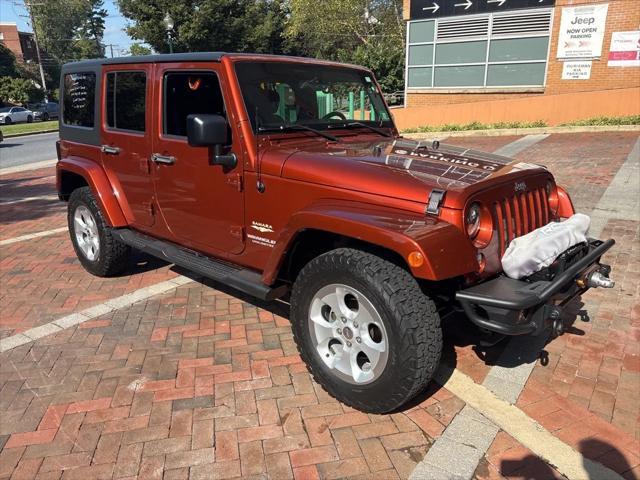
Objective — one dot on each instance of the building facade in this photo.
(21, 44)
(465, 51)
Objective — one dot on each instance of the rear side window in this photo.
(79, 99)
(126, 100)
(187, 93)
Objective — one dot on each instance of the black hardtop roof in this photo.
(184, 57)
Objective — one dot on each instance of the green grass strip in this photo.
(35, 127)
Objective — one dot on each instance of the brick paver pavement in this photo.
(203, 383)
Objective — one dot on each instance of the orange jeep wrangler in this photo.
(286, 178)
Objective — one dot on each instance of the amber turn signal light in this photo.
(415, 259)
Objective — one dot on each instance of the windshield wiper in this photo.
(297, 126)
(364, 125)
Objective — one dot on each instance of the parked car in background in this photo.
(9, 115)
(45, 111)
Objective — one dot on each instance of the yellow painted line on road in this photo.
(566, 460)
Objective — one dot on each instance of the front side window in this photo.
(79, 99)
(508, 49)
(279, 94)
(126, 100)
(187, 93)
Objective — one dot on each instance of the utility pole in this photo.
(29, 7)
(110, 45)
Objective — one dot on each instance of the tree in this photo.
(19, 91)
(205, 25)
(91, 31)
(367, 32)
(138, 49)
(8, 64)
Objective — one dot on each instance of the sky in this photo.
(13, 11)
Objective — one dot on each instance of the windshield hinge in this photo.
(435, 200)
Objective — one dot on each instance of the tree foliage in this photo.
(138, 49)
(367, 32)
(205, 25)
(19, 91)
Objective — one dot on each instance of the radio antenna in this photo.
(259, 183)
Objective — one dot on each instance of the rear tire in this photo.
(45, 117)
(98, 251)
(386, 327)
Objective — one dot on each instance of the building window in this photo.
(126, 100)
(78, 104)
(187, 93)
(509, 49)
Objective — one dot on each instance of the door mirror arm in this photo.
(228, 160)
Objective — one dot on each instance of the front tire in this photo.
(367, 332)
(29, 119)
(8, 121)
(98, 251)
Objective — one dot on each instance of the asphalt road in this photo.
(28, 149)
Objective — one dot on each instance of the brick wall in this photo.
(623, 15)
(11, 40)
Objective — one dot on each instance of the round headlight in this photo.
(472, 220)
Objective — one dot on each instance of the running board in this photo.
(247, 281)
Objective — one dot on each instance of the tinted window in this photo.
(187, 93)
(79, 97)
(126, 100)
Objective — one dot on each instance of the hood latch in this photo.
(435, 200)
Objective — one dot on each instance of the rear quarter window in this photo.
(79, 99)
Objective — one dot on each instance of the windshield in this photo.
(5, 110)
(319, 96)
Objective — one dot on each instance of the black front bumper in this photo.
(520, 307)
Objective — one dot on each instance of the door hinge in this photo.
(148, 206)
(235, 180)
(435, 200)
(237, 231)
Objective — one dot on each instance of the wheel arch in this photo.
(390, 233)
(73, 173)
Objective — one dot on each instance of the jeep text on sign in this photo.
(582, 31)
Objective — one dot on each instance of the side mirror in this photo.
(204, 130)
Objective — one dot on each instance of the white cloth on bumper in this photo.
(538, 249)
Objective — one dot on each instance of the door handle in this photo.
(163, 159)
(110, 150)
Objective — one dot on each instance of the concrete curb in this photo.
(28, 166)
(26, 134)
(501, 132)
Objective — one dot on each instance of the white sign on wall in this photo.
(576, 70)
(625, 49)
(582, 31)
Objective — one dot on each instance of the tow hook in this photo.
(557, 324)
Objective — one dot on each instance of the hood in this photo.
(402, 168)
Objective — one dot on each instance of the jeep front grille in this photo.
(519, 214)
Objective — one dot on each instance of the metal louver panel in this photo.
(461, 28)
(521, 24)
